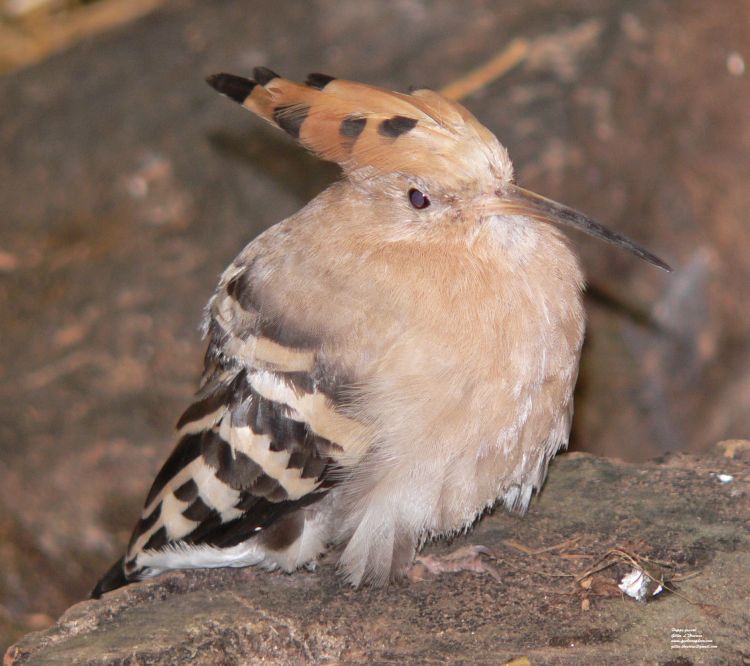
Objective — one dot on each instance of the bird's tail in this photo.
(113, 579)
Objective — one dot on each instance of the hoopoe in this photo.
(384, 365)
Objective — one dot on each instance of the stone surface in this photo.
(127, 185)
(676, 511)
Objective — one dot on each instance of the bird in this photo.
(384, 366)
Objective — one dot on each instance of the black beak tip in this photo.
(659, 263)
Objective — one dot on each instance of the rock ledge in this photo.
(675, 511)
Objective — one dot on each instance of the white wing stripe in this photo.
(313, 408)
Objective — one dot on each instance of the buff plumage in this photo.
(384, 365)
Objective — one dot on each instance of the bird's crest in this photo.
(360, 126)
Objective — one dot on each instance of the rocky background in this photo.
(126, 185)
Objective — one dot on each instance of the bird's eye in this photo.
(418, 199)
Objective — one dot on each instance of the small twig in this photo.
(637, 562)
(538, 551)
(482, 76)
(48, 32)
(602, 563)
(680, 577)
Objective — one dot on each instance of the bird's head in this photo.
(422, 157)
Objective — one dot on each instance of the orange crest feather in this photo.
(358, 125)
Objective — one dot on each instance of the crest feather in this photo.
(358, 125)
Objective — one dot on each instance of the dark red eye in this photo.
(418, 199)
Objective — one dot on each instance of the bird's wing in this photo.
(264, 438)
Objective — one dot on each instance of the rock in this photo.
(674, 516)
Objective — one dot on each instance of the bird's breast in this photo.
(471, 376)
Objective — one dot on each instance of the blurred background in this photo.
(127, 185)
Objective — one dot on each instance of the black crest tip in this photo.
(263, 75)
(318, 81)
(234, 87)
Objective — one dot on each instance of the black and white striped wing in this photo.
(256, 452)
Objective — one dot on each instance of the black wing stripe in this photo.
(262, 516)
(197, 511)
(224, 396)
(202, 408)
(187, 491)
(203, 530)
(315, 467)
(157, 540)
(232, 467)
(264, 487)
(333, 387)
(145, 524)
(187, 450)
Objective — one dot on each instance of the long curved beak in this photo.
(514, 200)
